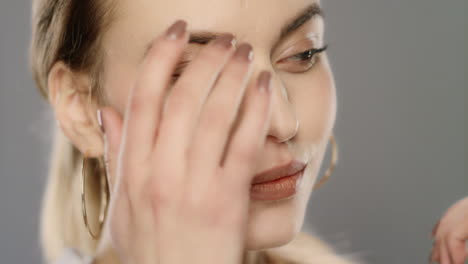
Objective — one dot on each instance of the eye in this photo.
(303, 61)
(179, 70)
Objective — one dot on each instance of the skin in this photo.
(293, 121)
(450, 235)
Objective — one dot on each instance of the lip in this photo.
(289, 169)
(279, 189)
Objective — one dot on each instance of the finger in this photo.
(434, 229)
(432, 257)
(117, 219)
(112, 125)
(249, 137)
(444, 255)
(456, 250)
(435, 254)
(146, 98)
(219, 113)
(188, 95)
(460, 236)
(461, 232)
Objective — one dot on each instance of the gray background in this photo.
(400, 69)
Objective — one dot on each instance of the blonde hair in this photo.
(70, 31)
(67, 31)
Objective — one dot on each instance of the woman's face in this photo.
(304, 101)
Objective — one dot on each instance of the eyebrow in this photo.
(313, 10)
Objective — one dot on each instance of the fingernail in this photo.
(226, 41)
(176, 30)
(99, 119)
(263, 83)
(244, 52)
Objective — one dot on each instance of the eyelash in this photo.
(312, 52)
(310, 55)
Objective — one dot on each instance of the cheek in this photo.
(314, 98)
(118, 80)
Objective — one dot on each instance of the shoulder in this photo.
(304, 249)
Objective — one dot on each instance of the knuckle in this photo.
(161, 193)
(157, 196)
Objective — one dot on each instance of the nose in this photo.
(284, 123)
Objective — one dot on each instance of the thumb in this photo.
(112, 127)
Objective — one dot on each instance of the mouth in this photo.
(290, 168)
(277, 188)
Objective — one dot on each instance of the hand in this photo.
(450, 235)
(180, 179)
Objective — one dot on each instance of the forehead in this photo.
(247, 19)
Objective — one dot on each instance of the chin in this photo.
(276, 223)
(260, 240)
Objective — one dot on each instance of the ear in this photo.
(75, 110)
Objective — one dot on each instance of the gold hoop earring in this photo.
(104, 193)
(333, 162)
